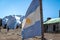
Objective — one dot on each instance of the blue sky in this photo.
(13, 7)
(19, 7)
(51, 8)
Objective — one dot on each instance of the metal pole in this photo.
(41, 16)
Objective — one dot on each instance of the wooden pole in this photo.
(41, 16)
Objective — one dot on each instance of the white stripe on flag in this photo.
(34, 16)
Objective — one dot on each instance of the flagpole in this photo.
(41, 16)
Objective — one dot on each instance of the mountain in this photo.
(12, 21)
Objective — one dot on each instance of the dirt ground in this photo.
(16, 35)
(11, 35)
(52, 36)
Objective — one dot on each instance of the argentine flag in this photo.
(31, 25)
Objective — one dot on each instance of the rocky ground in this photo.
(16, 35)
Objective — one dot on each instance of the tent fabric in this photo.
(0, 22)
(11, 21)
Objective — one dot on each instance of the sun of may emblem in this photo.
(28, 21)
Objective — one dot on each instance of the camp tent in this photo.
(11, 21)
(0, 22)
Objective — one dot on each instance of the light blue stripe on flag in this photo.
(32, 7)
(32, 31)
